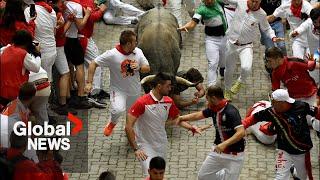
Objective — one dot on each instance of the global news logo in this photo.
(41, 137)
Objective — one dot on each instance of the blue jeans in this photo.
(277, 26)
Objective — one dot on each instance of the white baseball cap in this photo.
(282, 95)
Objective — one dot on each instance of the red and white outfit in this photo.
(15, 64)
(243, 30)
(124, 88)
(46, 23)
(150, 130)
(89, 46)
(299, 44)
(261, 129)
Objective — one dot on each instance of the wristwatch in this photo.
(135, 149)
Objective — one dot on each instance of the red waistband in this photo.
(43, 85)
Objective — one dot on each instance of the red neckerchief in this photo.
(217, 108)
(76, 1)
(119, 48)
(296, 11)
(45, 5)
(164, 2)
(251, 9)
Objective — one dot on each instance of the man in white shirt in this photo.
(73, 49)
(125, 62)
(242, 32)
(296, 12)
(311, 29)
(146, 122)
(46, 22)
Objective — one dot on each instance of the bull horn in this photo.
(183, 81)
(147, 79)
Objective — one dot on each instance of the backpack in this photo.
(7, 166)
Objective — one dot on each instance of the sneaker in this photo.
(235, 89)
(64, 110)
(108, 129)
(228, 95)
(103, 94)
(95, 103)
(80, 103)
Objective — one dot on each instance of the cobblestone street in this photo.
(185, 152)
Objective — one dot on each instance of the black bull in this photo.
(160, 42)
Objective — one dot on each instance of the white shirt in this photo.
(244, 26)
(76, 9)
(114, 60)
(284, 11)
(45, 28)
(307, 28)
(152, 115)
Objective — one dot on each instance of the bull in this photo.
(190, 5)
(160, 42)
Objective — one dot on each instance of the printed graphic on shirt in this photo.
(126, 69)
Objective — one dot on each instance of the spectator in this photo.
(61, 62)
(14, 20)
(157, 168)
(24, 169)
(125, 62)
(49, 165)
(15, 59)
(39, 103)
(74, 51)
(226, 158)
(91, 50)
(149, 115)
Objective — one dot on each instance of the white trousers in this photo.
(312, 102)
(263, 138)
(48, 59)
(246, 55)
(130, 13)
(61, 62)
(91, 53)
(299, 49)
(229, 15)
(284, 161)
(151, 153)
(120, 102)
(215, 51)
(221, 166)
